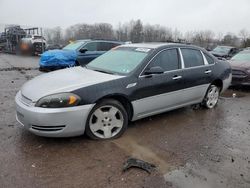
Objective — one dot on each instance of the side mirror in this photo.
(83, 50)
(154, 70)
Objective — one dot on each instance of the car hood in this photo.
(218, 54)
(65, 80)
(238, 64)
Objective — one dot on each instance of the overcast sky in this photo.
(217, 15)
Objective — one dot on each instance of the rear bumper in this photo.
(60, 122)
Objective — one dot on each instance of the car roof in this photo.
(99, 40)
(153, 45)
(226, 46)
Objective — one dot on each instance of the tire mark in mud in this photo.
(130, 146)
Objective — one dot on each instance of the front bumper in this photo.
(240, 77)
(244, 81)
(56, 122)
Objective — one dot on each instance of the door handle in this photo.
(177, 77)
(208, 71)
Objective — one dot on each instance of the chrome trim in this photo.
(206, 64)
(208, 71)
(177, 77)
(204, 58)
(197, 67)
(182, 60)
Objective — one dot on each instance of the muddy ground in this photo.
(191, 148)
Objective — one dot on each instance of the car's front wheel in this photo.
(108, 119)
(212, 97)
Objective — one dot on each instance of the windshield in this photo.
(242, 56)
(74, 45)
(120, 61)
(222, 49)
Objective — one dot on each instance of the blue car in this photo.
(79, 52)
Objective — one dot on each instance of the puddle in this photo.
(130, 146)
(232, 94)
(191, 177)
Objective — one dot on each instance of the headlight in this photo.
(60, 100)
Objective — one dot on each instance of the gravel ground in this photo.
(190, 147)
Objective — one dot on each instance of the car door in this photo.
(159, 92)
(197, 75)
(91, 53)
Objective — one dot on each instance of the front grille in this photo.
(25, 100)
(239, 73)
(48, 128)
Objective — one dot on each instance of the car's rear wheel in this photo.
(107, 120)
(212, 97)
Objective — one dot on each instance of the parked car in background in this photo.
(224, 51)
(78, 52)
(130, 82)
(241, 68)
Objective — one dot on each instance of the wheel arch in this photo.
(123, 100)
(218, 83)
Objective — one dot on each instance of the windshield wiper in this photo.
(102, 71)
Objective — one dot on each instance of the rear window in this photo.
(192, 58)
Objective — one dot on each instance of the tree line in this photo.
(135, 31)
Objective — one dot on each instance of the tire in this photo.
(107, 120)
(212, 96)
(77, 64)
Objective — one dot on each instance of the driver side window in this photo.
(168, 60)
(92, 46)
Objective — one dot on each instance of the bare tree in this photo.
(57, 35)
(244, 34)
(177, 35)
(136, 33)
(48, 35)
(231, 40)
(157, 33)
(189, 36)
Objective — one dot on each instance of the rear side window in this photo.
(192, 58)
(106, 46)
(168, 60)
(210, 60)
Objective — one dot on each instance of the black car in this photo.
(129, 82)
(224, 51)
